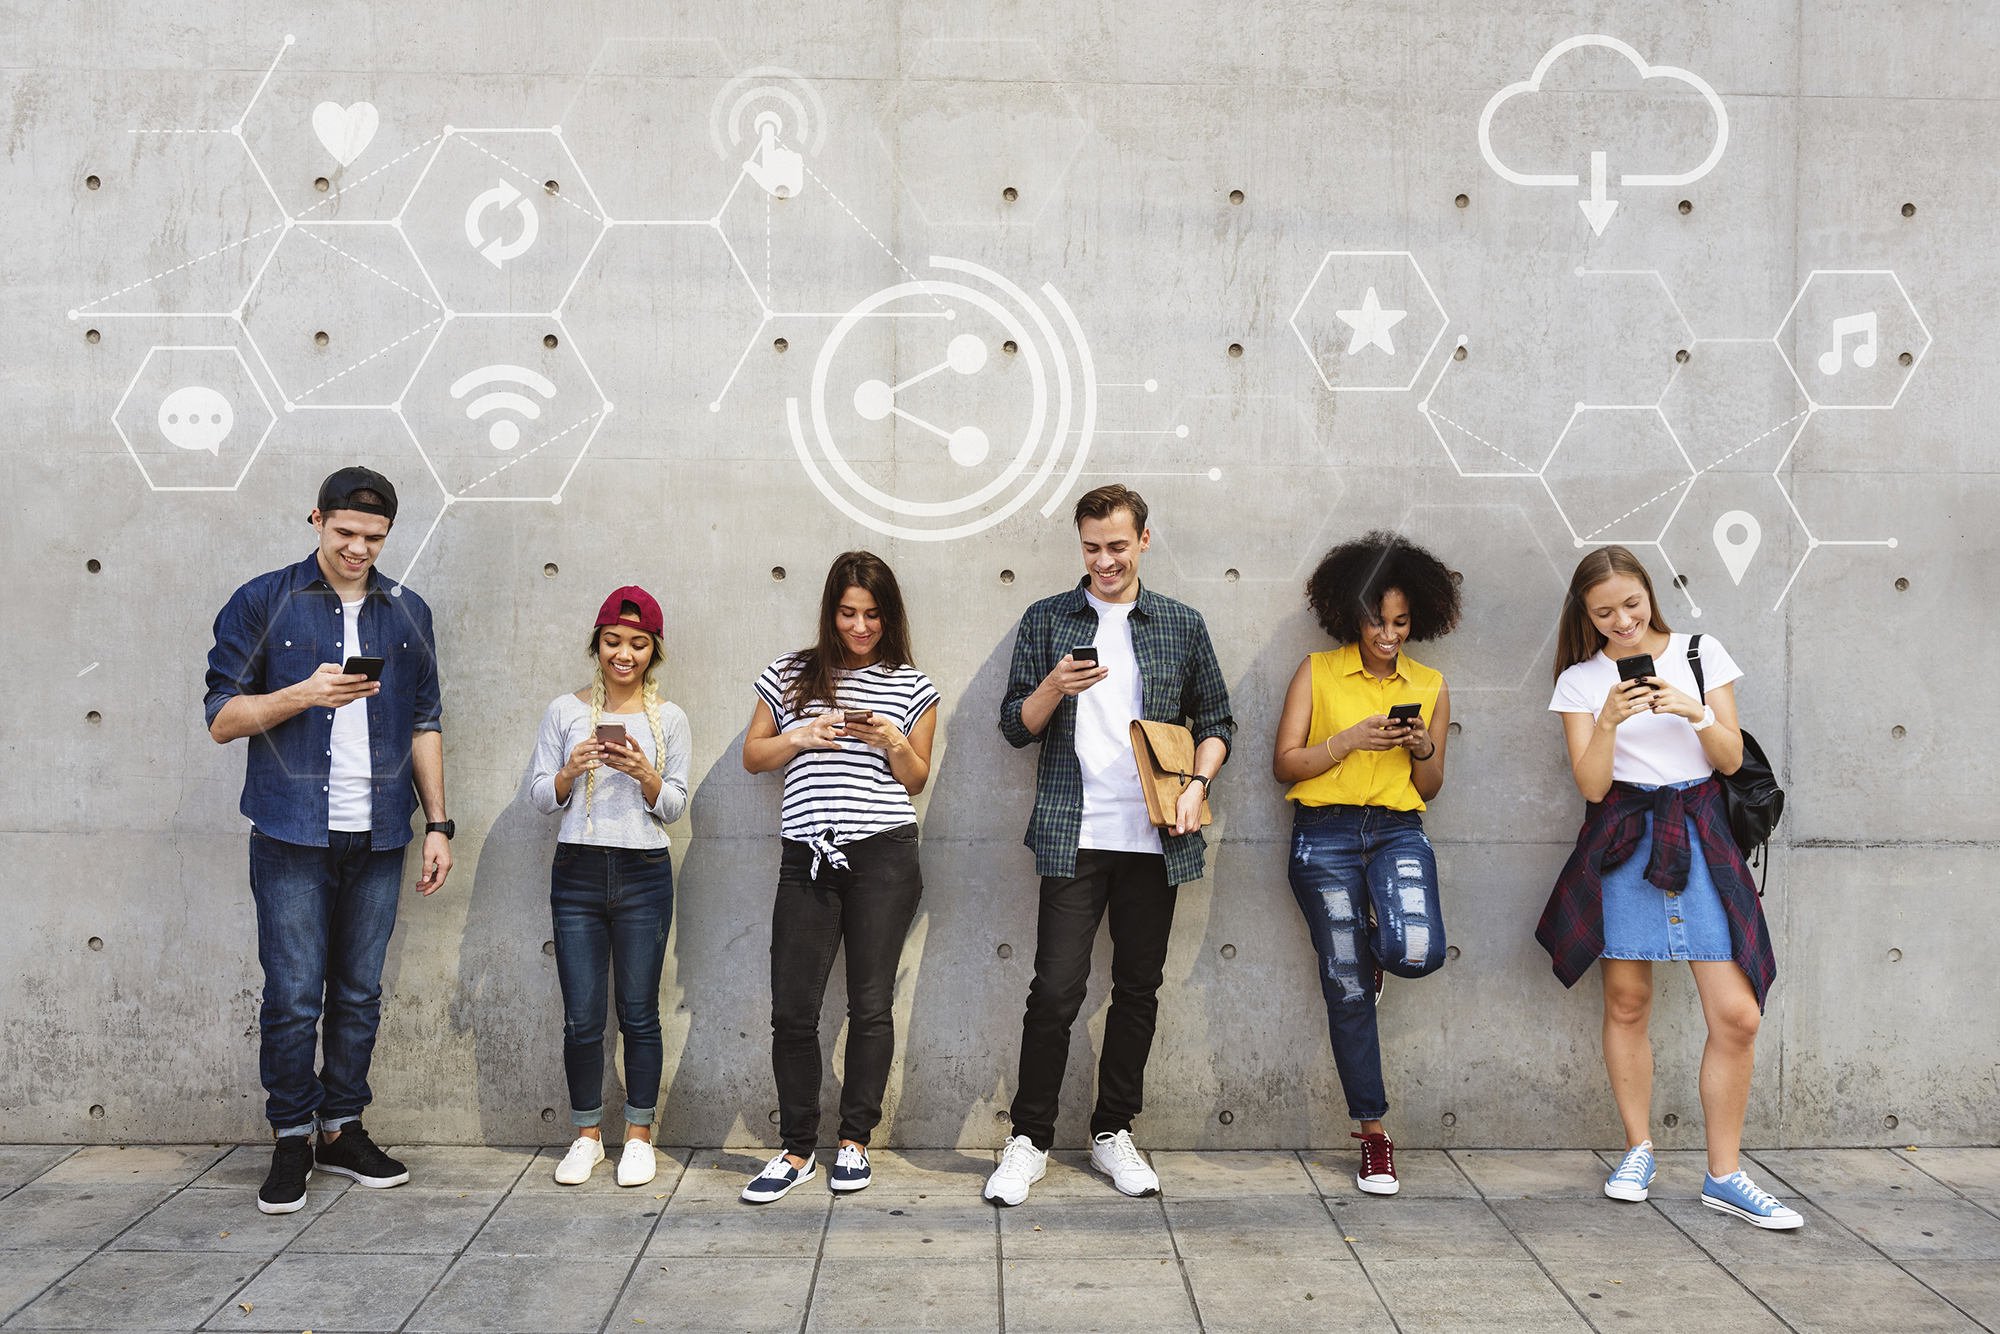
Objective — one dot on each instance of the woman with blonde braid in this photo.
(611, 889)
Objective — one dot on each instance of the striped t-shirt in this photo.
(849, 792)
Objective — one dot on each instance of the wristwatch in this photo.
(445, 827)
(1707, 718)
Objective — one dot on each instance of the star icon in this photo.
(1371, 324)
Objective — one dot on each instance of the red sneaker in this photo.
(1378, 1164)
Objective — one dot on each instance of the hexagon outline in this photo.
(603, 218)
(1430, 418)
(1403, 524)
(1422, 362)
(270, 413)
(1684, 486)
(1776, 340)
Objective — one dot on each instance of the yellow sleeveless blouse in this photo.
(1343, 693)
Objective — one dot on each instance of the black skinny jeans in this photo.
(1133, 887)
(867, 907)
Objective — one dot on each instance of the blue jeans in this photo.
(1348, 864)
(612, 909)
(324, 916)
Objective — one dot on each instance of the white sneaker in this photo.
(636, 1166)
(576, 1165)
(1021, 1166)
(1117, 1157)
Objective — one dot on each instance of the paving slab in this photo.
(747, 1231)
(1596, 1232)
(1071, 1177)
(1663, 1297)
(22, 1163)
(1826, 1174)
(221, 1220)
(881, 1294)
(1422, 1173)
(1231, 1175)
(1974, 1173)
(456, 1167)
(1867, 1297)
(1462, 1296)
(1107, 1296)
(138, 1290)
(1061, 1229)
(927, 1174)
(134, 1165)
(1238, 1296)
(751, 1296)
(718, 1176)
(24, 1274)
(1920, 1229)
(886, 1228)
(1537, 1174)
(1275, 1228)
(246, 1165)
(331, 1292)
(399, 1221)
(1971, 1285)
(1680, 1173)
(552, 1225)
(67, 1217)
(493, 1292)
(1393, 1228)
(1731, 1241)
(540, 1176)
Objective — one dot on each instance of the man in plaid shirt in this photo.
(1145, 656)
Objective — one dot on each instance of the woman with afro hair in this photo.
(1362, 742)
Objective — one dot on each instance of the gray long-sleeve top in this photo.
(619, 816)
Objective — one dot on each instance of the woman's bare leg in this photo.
(1628, 1047)
(1730, 1007)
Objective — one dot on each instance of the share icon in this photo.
(876, 399)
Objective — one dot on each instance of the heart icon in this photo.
(346, 131)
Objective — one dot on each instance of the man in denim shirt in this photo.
(337, 764)
(1096, 850)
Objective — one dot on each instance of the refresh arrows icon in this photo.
(497, 252)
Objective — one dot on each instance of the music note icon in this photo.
(1864, 351)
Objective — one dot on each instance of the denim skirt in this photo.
(1643, 921)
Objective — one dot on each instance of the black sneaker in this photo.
(355, 1155)
(284, 1191)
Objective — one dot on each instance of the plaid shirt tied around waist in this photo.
(1180, 682)
(1572, 925)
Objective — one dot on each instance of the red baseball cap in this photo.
(613, 613)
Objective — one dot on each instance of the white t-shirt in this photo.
(1653, 748)
(1114, 805)
(850, 793)
(350, 805)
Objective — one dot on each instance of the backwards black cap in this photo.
(337, 492)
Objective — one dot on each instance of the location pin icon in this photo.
(1737, 555)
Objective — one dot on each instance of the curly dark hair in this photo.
(1345, 591)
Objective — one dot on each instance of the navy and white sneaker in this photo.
(777, 1180)
(1737, 1194)
(1634, 1176)
(850, 1169)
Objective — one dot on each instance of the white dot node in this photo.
(1892, 541)
(968, 446)
(556, 499)
(72, 314)
(715, 407)
(951, 314)
(1152, 386)
(874, 400)
(555, 129)
(966, 354)
(451, 129)
(290, 40)
(291, 406)
(236, 130)
(1579, 542)
(1181, 431)
(1215, 474)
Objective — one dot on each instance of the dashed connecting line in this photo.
(462, 134)
(349, 185)
(1434, 413)
(307, 230)
(199, 259)
(290, 403)
(526, 455)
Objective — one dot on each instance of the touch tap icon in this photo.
(780, 170)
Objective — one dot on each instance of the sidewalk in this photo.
(169, 1238)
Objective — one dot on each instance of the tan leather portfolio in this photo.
(1165, 752)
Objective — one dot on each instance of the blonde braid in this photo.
(652, 702)
(596, 709)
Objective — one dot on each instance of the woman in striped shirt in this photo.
(850, 721)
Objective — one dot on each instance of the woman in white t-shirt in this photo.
(850, 721)
(1656, 875)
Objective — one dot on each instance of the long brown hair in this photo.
(649, 699)
(867, 571)
(1577, 640)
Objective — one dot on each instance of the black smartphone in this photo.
(368, 667)
(611, 734)
(1084, 653)
(1406, 715)
(1636, 666)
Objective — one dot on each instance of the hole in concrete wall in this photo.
(1227, 951)
(1895, 956)
(1451, 951)
(1687, 206)
(1231, 576)
(548, 1114)
(1450, 1119)
(552, 187)
(1463, 201)
(93, 566)
(550, 340)
(774, 1116)
(1010, 194)
(779, 345)
(1006, 576)
(778, 572)
(1001, 1115)
(93, 717)
(1236, 349)
(1681, 356)
(1010, 347)
(549, 571)
(1226, 1117)
(96, 942)
(1458, 353)
(1235, 196)
(320, 339)
(1670, 1120)
(91, 336)
(1902, 585)
(1909, 210)
(1680, 581)
(1904, 359)
(92, 182)
(1454, 729)
(322, 184)
(549, 948)
(97, 1111)
(1889, 1122)
(1005, 951)
(1898, 732)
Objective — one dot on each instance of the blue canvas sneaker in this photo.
(778, 1177)
(1634, 1176)
(1737, 1194)
(850, 1169)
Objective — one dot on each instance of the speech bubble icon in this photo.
(196, 417)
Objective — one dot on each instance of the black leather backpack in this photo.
(1751, 796)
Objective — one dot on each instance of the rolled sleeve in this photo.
(1030, 640)
(236, 662)
(427, 714)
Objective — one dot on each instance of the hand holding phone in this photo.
(849, 717)
(1077, 672)
(368, 667)
(1406, 715)
(1637, 667)
(612, 734)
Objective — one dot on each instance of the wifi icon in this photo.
(505, 432)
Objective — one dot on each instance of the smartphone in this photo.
(1084, 653)
(1406, 715)
(849, 717)
(612, 734)
(368, 667)
(1636, 666)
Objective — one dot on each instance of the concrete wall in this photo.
(665, 272)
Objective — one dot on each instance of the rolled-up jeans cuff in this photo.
(639, 1116)
(293, 1132)
(334, 1122)
(593, 1117)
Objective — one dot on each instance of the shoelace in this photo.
(851, 1157)
(1127, 1152)
(1633, 1169)
(1756, 1194)
(779, 1166)
(1378, 1155)
(1016, 1157)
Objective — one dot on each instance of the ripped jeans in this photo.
(1365, 878)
